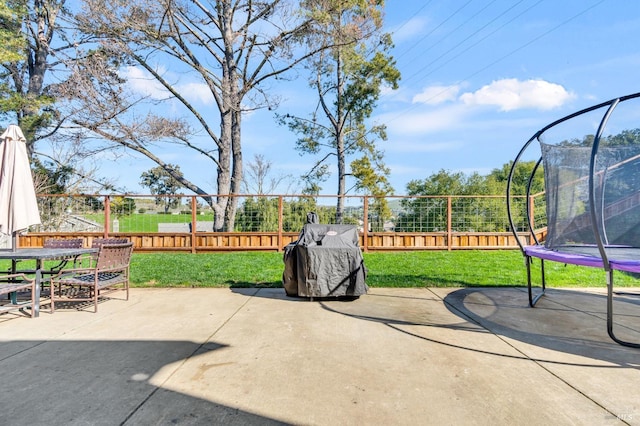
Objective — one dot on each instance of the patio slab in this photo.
(255, 356)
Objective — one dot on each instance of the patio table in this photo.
(40, 255)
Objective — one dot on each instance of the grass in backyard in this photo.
(474, 268)
(146, 222)
(239, 269)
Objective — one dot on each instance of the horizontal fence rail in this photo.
(270, 222)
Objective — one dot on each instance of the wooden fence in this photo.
(265, 241)
(189, 237)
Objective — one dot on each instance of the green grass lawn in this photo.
(147, 222)
(397, 269)
(474, 268)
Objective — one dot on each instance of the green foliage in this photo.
(122, 206)
(52, 178)
(496, 181)
(626, 137)
(429, 214)
(95, 204)
(347, 77)
(377, 185)
(261, 214)
(295, 213)
(24, 53)
(12, 41)
(257, 214)
(161, 183)
(448, 183)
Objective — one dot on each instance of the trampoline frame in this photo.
(537, 250)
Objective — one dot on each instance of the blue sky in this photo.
(478, 79)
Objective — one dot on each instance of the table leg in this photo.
(36, 308)
(13, 296)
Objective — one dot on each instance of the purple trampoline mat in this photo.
(620, 258)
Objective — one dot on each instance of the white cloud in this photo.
(196, 92)
(434, 95)
(511, 94)
(403, 169)
(140, 81)
(386, 90)
(411, 123)
(409, 30)
(143, 83)
(421, 146)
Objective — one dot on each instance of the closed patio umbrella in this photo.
(18, 205)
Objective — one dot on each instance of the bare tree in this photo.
(259, 178)
(232, 47)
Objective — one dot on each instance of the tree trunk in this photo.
(340, 152)
(236, 170)
(341, 180)
(224, 175)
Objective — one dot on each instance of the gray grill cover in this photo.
(326, 261)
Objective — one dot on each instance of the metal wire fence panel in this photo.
(276, 214)
(539, 203)
(296, 208)
(257, 214)
(519, 213)
(70, 214)
(420, 214)
(166, 214)
(537, 206)
(87, 213)
(353, 210)
(162, 214)
(479, 214)
(380, 213)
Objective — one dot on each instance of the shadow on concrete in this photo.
(279, 293)
(568, 321)
(101, 382)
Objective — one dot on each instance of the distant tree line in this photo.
(471, 214)
(418, 214)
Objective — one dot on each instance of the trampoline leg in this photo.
(610, 313)
(533, 300)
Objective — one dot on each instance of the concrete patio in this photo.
(426, 356)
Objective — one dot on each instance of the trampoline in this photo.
(592, 196)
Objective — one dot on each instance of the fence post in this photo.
(365, 224)
(532, 219)
(280, 219)
(194, 225)
(531, 209)
(107, 216)
(449, 223)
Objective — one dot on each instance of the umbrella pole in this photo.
(14, 240)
